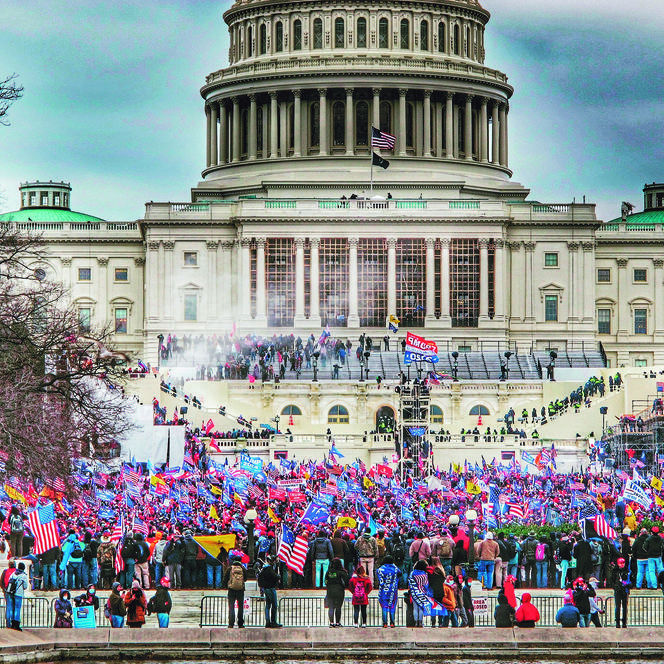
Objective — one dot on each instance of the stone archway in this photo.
(385, 419)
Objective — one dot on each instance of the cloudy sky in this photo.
(112, 105)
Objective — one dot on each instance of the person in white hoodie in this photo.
(16, 587)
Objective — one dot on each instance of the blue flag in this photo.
(315, 513)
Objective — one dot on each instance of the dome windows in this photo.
(383, 33)
(441, 37)
(279, 37)
(297, 35)
(361, 32)
(318, 33)
(339, 33)
(404, 33)
(250, 41)
(457, 40)
(263, 40)
(424, 36)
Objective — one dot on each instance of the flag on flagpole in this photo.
(44, 527)
(293, 550)
(377, 160)
(116, 538)
(382, 140)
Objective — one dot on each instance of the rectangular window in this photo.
(84, 274)
(191, 258)
(551, 260)
(121, 274)
(640, 321)
(190, 304)
(604, 321)
(551, 308)
(121, 321)
(640, 363)
(604, 275)
(640, 275)
(84, 318)
(465, 349)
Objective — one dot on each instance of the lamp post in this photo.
(552, 365)
(160, 343)
(361, 361)
(276, 419)
(250, 517)
(455, 367)
(471, 518)
(367, 355)
(604, 410)
(315, 357)
(505, 367)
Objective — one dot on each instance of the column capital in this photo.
(102, 260)
(227, 244)
(391, 242)
(622, 263)
(588, 246)
(212, 245)
(658, 262)
(529, 246)
(349, 91)
(469, 98)
(169, 245)
(499, 243)
(428, 93)
(483, 243)
(273, 94)
(445, 241)
(153, 245)
(573, 246)
(260, 242)
(139, 261)
(403, 92)
(449, 95)
(430, 241)
(322, 92)
(484, 100)
(299, 242)
(375, 92)
(245, 242)
(297, 93)
(235, 100)
(252, 97)
(65, 260)
(353, 242)
(314, 242)
(514, 246)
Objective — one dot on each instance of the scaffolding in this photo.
(415, 451)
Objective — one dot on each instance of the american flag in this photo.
(516, 510)
(44, 527)
(382, 140)
(588, 511)
(577, 486)
(116, 538)
(131, 475)
(256, 493)
(140, 526)
(293, 550)
(603, 528)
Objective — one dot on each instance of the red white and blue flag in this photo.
(44, 527)
(382, 140)
(293, 550)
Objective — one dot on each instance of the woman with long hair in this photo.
(360, 586)
(136, 604)
(388, 588)
(336, 580)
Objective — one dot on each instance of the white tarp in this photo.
(157, 444)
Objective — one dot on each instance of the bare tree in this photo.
(10, 91)
(61, 393)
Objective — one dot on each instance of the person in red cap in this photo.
(527, 614)
(161, 603)
(621, 586)
(654, 547)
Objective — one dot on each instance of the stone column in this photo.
(261, 309)
(350, 117)
(468, 128)
(449, 124)
(314, 313)
(103, 311)
(225, 275)
(517, 272)
(212, 247)
(274, 130)
(169, 246)
(236, 128)
(624, 325)
(353, 316)
(658, 264)
(402, 121)
(588, 314)
(430, 281)
(445, 317)
(439, 130)
(245, 281)
(208, 123)
(484, 131)
(66, 262)
(575, 283)
(427, 123)
(214, 110)
(223, 133)
(499, 287)
(376, 109)
(322, 139)
(283, 129)
(484, 280)
(152, 285)
(253, 128)
(391, 276)
(495, 134)
(299, 281)
(503, 136)
(529, 248)
(297, 122)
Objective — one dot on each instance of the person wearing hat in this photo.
(640, 555)
(106, 560)
(234, 580)
(654, 546)
(529, 548)
(116, 606)
(568, 615)
(136, 604)
(161, 603)
(189, 560)
(621, 586)
(527, 614)
(268, 581)
(15, 589)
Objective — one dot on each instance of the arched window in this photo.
(442, 47)
(314, 124)
(385, 420)
(467, 44)
(383, 36)
(318, 33)
(339, 33)
(424, 36)
(436, 413)
(457, 40)
(405, 33)
(250, 40)
(338, 123)
(297, 35)
(263, 39)
(479, 410)
(279, 37)
(291, 409)
(362, 123)
(410, 121)
(386, 116)
(361, 32)
(338, 415)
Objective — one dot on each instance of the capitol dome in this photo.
(306, 82)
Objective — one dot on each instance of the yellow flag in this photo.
(457, 468)
(346, 522)
(659, 501)
(272, 515)
(213, 513)
(472, 488)
(155, 479)
(216, 490)
(656, 483)
(15, 494)
(213, 543)
(367, 483)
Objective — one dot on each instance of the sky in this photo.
(112, 101)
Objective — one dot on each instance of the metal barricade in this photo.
(642, 611)
(311, 612)
(214, 611)
(36, 612)
(99, 613)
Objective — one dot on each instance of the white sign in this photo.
(480, 606)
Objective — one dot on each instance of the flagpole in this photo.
(371, 167)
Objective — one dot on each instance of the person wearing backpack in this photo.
(321, 554)
(72, 559)
(141, 566)
(443, 549)
(161, 603)
(16, 532)
(398, 551)
(14, 593)
(89, 569)
(529, 546)
(542, 562)
(106, 560)
(367, 552)
(234, 580)
(360, 586)
(4, 581)
(513, 549)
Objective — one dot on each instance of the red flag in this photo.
(208, 427)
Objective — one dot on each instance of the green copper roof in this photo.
(641, 218)
(47, 214)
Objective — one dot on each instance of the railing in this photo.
(72, 226)
(602, 352)
(35, 612)
(271, 203)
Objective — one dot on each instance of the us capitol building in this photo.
(290, 229)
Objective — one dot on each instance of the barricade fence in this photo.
(35, 612)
